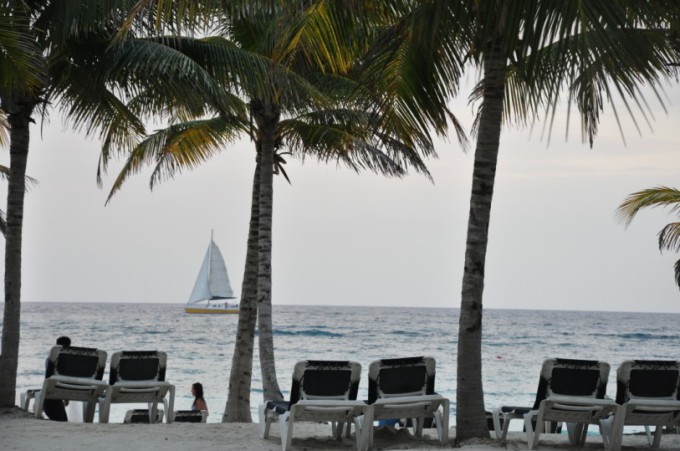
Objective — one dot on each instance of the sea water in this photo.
(200, 347)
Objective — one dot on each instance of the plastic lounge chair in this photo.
(647, 395)
(74, 374)
(502, 416)
(404, 389)
(190, 416)
(322, 391)
(573, 392)
(138, 377)
(142, 416)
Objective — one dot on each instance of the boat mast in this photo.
(210, 248)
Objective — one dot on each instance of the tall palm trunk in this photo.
(19, 119)
(267, 117)
(470, 416)
(238, 399)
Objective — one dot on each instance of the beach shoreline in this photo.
(20, 431)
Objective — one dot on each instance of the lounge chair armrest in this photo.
(410, 399)
(77, 380)
(329, 403)
(654, 403)
(142, 384)
(580, 401)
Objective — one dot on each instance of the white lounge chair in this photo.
(190, 416)
(138, 377)
(322, 391)
(142, 416)
(573, 392)
(74, 374)
(647, 395)
(404, 389)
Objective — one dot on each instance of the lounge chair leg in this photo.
(583, 435)
(604, 433)
(286, 426)
(336, 429)
(495, 415)
(358, 432)
(441, 419)
(264, 422)
(616, 428)
(104, 408)
(170, 408)
(38, 404)
(657, 436)
(418, 426)
(88, 410)
(533, 435)
(366, 429)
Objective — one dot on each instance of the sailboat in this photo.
(212, 290)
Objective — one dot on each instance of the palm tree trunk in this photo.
(470, 414)
(240, 379)
(19, 118)
(268, 119)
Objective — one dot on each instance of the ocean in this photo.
(200, 347)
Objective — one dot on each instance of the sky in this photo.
(341, 238)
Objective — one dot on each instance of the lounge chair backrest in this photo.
(76, 362)
(137, 366)
(656, 379)
(325, 379)
(401, 377)
(572, 377)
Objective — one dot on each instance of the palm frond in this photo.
(596, 53)
(178, 147)
(669, 237)
(660, 196)
(415, 73)
(350, 137)
(4, 175)
(4, 129)
(22, 67)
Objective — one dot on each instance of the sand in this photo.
(21, 431)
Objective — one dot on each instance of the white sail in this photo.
(212, 281)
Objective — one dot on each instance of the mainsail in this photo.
(212, 281)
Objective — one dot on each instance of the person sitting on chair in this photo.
(55, 408)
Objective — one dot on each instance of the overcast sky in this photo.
(347, 239)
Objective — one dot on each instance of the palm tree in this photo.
(660, 196)
(532, 56)
(297, 107)
(19, 94)
(57, 53)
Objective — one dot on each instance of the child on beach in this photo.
(199, 401)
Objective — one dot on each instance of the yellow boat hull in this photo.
(222, 311)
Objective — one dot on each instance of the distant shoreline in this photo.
(487, 309)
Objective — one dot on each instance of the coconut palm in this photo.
(660, 196)
(69, 49)
(532, 56)
(298, 108)
(21, 79)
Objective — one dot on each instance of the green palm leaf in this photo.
(660, 196)
(178, 147)
(22, 67)
(669, 237)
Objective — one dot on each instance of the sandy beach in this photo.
(21, 431)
